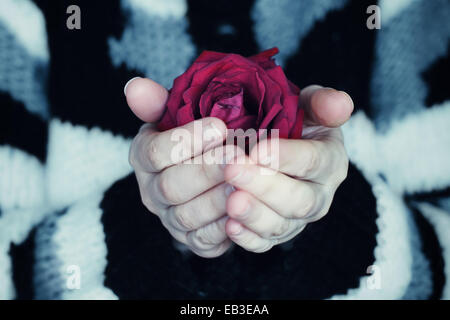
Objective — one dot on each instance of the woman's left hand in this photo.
(269, 209)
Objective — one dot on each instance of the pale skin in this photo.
(208, 207)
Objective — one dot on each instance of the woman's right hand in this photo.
(190, 199)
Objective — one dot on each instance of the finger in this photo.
(154, 151)
(259, 218)
(287, 196)
(146, 98)
(183, 182)
(246, 238)
(325, 106)
(323, 160)
(209, 236)
(204, 209)
(215, 251)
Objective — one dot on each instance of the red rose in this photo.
(243, 92)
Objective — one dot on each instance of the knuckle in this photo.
(308, 202)
(322, 207)
(326, 208)
(313, 159)
(282, 229)
(132, 152)
(264, 247)
(207, 253)
(165, 187)
(343, 171)
(183, 218)
(148, 203)
(154, 153)
(202, 239)
(256, 245)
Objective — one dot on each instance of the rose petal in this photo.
(210, 56)
(271, 114)
(264, 59)
(185, 115)
(243, 123)
(229, 109)
(281, 124)
(167, 122)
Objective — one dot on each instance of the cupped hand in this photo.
(272, 206)
(197, 203)
(189, 199)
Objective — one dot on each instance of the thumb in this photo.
(325, 106)
(146, 98)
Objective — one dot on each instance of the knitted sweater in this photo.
(72, 225)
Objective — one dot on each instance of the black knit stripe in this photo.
(84, 88)
(339, 53)
(22, 259)
(222, 25)
(436, 78)
(22, 129)
(432, 197)
(328, 257)
(432, 251)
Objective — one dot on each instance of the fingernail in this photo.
(229, 189)
(126, 85)
(236, 229)
(244, 214)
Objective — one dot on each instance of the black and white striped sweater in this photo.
(69, 201)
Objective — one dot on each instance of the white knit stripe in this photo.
(164, 9)
(405, 48)
(393, 253)
(418, 164)
(15, 224)
(78, 240)
(440, 219)
(26, 21)
(154, 43)
(81, 162)
(360, 137)
(22, 205)
(414, 154)
(7, 291)
(21, 179)
(21, 74)
(284, 23)
(390, 9)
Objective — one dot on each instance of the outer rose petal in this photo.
(185, 115)
(281, 123)
(264, 59)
